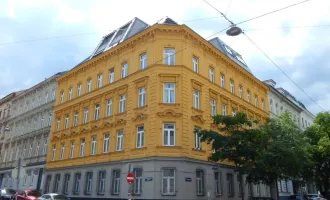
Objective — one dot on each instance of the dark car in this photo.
(7, 194)
(298, 197)
(27, 195)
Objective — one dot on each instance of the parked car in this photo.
(7, 194)
(27, 195)
(316, 197)
(298, 197)
(53, 196)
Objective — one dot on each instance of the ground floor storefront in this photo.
(154, 178)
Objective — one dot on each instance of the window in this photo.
(89, 178)
(66, 183)
(58, 124)
(122, 100)
(97, 111)
(224, 109)
(42, 121)
(66, 121)
(30, 151)
(47, 185)
(169, 93)
(140, 136)
(53, 94)
(258, 189)
(228, 50)
(197, 138)
(271, 106)
(62, 152)
(82, 147)
(262, 104)
(89, 85)
(256, 100)
(115, 181)
(232, 89)
(233, 112)
(99, 80)
(276, 108)
(137, 181)
(78, 90)
(106, 143)
(222, 80)
(218, 185)
(75, 118)
(101, 185)
(211, 74)
(62, 97)
(196, 99)
(93, 145)
(85, 115)
(240, 91)
(53, 152)
(169, 56)
(111, 75)
(71, 149)
(44, 149)
(195, 64)
(109, 108)
(119, 140)
(213, 107)
(76, 188)
(169, 134)
(70, 94)
(230, 187)
(17, 151)
(200, 182)
(142, 97)
(143, 61)
(124, 67)
(56, 182)
(249, 189)
(49, 119)
(168, 181)
(240, 188)
(46, 97)
(248, 95)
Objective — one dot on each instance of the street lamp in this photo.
(234, 30)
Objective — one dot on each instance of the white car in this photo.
(316, 197)
(53, 196)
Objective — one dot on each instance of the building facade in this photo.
(280, 101)
(133, 105)
(26, 135)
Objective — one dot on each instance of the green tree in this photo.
(275, 151)
(319, 139)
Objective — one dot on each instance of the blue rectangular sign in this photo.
(148, 179)
(188, 179)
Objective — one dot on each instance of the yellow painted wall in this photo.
(152, 41)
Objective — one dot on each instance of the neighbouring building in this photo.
(133, 105)
(26, 135)
(280, 101)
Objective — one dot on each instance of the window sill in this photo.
(199, 150)
(100, 194)
(169, 104)
(169, 194)
(197, 110)
(140, 108)
(137, 194)
(119, 114)
(169, 147)
(139, 149)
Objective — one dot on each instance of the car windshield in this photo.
(59, 197)
(7, 191)
(33, 193)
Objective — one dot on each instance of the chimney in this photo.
(270, 82)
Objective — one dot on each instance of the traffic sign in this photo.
(130, 178)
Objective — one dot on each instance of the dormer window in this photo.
(239, 57)
(228, 50)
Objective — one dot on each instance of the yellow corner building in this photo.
(132, 106)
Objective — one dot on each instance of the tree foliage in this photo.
(275, 151)
(319, 139)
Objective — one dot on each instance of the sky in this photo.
(39, 38)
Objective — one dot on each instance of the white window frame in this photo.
(66, 122)
(70, 94)
(93, 145)
(211, 74)
(78, 90)
(120, 137)
(82, 148)
(168, 182)
(124, 69)
(71, 149)
(213, 107)
(141, 97)
(46, 97)
(53, 94)
(138, 174)
(61, 97)
(248, 96)
(115, 181)
(224, 109)
(218, 183)
(262, 104)
(30, 151)
(75, 119)
(167, 140)
(97, 112)
(106, 142)
(200, 182)
(85, 116)
(197, 139)
(122, 102)
(240, 91)
(256, 101)
(222, 80)
(196, 99)
(89, 85)
(89, 180)
(232, 87)
(62, 151)
(140, 136)
(44, 149)
(108, 111)
(58, 122)
(233, 112)
(143, 61)
(111, 75)
(195, 64)
(50, 119)
(53, 153)
(101, 184)
(169, 57)
(99, 80)
(66, 183)
(230, 185)
(168, 92)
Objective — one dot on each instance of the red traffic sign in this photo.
(130, 178)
